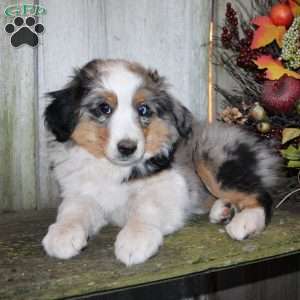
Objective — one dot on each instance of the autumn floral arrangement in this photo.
(259, 47)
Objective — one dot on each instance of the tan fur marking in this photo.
(136, 68)
(240, 199)
(156, 134)
(209, 201)
(110, 97)
(91, 137)
(208, 178)
(140, 96)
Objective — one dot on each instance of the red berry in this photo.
(281, 15)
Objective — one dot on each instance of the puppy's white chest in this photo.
(83, 176)
(112, 196)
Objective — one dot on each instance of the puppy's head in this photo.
(118, 110)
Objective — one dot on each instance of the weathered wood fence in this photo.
(170, 35)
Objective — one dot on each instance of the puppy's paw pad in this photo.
(248, 222)
(136, 246)
(222, 212)
(64, 240)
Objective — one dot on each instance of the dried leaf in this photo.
(293, 164)
(266, 33)
(274, 68)
(291, 153)
(289, 134)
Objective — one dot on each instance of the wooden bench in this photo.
(198, 260)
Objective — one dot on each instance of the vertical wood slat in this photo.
(170, 35)
(17, 122)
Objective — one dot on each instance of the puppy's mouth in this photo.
(125, 161)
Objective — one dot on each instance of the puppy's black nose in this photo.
(127, 147)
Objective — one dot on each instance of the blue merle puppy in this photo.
(127, 153)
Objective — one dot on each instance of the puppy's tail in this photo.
(236, 166)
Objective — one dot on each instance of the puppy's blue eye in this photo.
(143, 110)
(105, 108)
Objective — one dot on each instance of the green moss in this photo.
(29, 274)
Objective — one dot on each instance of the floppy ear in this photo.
(179, 115)
(61, 115)
(167, 105)
(183, 119)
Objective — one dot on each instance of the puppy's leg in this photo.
(242, 198)
(222, 211)
(248, 222)
(76, 220)
(137, 241)
(157, 209)
(240, 171)
(248, 212)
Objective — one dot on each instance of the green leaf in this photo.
(293, 164)
(289, 134)
(291, 153)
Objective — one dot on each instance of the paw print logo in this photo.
(24, 32)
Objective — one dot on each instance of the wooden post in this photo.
(17, 121)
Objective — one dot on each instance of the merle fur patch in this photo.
(152, 165)
(239, 173)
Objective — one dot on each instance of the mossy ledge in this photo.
(27, 273)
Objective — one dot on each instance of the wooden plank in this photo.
(17, 120)
(198, 249)
(268, 280)
(169, 35)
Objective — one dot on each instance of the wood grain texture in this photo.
(199, 248)
(170, 36)
(17, 122)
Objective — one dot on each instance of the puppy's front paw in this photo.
(136, 245)
(222, 212)
(248, 222)
(64, 240)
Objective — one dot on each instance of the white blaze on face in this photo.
(124, 124)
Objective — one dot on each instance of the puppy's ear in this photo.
(61, 115)
(156, 81)
(180, 116)
(153, 74)
(183, 119)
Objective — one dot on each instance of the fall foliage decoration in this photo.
(281, 14)
(274, 69)
(260, 51)
(281, 95)
(291, 45)
(266, 33)
(232, 115)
